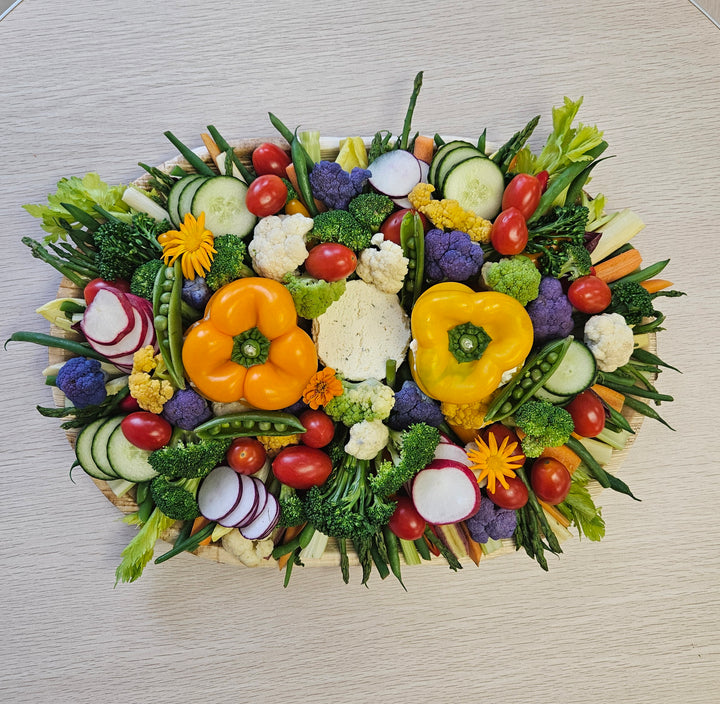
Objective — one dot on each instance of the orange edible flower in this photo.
(495, 463)
(322, 387)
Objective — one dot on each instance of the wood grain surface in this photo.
(631, 619)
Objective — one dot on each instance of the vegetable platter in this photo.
(382, 351)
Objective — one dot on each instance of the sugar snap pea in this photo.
(167, 318)
(412, 241)
(246, 423)
(302, 174)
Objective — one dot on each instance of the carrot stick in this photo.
(210, 145)
(290, 171)
(549, 508)
(290, 533)
(655, 285)
(564, 455)
(198, 524)
(618, 266)
(612, 398)
(423, 148)
(474, 548)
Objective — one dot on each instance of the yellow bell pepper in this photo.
(248, 346)
(463, 341)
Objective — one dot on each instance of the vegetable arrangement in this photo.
(416, 348)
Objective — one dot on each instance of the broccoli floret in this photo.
(82, 381)
(228, 263)
(515, 276)
(414, 406)
(364, 400)
(410, 450)
(334, 186)
(187, 457)
(312, 296)
(371, 209)
(451, 256)
(632, 301)
(123, 247)
(292, 194)
(176, 498)
(491, 522)
(143, 280)
(562, 224)
(570, 260)
(544, 425)
(340, 226)
(292, 509)
(551, 311)
(186, 409)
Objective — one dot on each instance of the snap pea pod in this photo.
(412, 241)
(246, 423)
(646, 410)
(302, 174)
(536, 371)
(167, 318)
(392, 548)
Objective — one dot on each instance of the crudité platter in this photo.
(382, 351)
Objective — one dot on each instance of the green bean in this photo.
(246, 423)
(648, 272)
(79, 348)
(423, 549)
(190, 543)
(300, 541)
(192, 158)
(646, 410)
(145, 508)
(646, 357)
(224, 146)
(287, 134)
(167, 319)
(618, 419)
(380, 564)
(141, 491)
(574, 191)
(616, 384)
(302, 174)
(392, 547)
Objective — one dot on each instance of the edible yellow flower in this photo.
(447, 214)
(145, 383)
(495, 463)
(192, 244)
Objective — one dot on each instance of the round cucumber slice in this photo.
(477, 184)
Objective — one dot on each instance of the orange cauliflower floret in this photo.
(274, 443)
(146, 384)
(447, 214)
(470, 416)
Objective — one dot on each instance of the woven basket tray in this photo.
(215, 551)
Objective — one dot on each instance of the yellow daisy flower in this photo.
(192, 244)
(495, 463)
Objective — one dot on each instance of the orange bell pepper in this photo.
(249, 346)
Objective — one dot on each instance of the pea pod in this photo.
(167, 318)
(300, 162)
(532, 376)
(392, 547)
(412, 241)
(247, 423)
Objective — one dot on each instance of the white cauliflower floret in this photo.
(250, 552)
(385, 267)
(278, 245)
(367, 439)
(610, 339)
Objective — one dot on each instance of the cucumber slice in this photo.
(128, 462)
(576, 372)
(478, 185)
(451, 160)
(186, 197)
(222, 199)
(100, 443)
(441, 153)
(83, 450)
(542, 394)
(174, 196)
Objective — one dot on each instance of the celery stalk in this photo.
(619, 230)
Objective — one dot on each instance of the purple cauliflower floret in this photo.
(196, 292)
(82, 380)
(550, 312)
(413, 406)
(451, 256)
(334, 186)
(491, 521)
(186, 409)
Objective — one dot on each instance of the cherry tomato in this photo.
(301, 467)
(588, 413)
(330, 261)
(523, 193)
(550, 480)
(319, 428)
(129, 404)
(509, 233)
(92, 287)
(270, 159)
(543, 177)
(391, 227)
(266, 195)
(146, 430)
(589, 294)
(246, 455)
(514, 497)
(294, 206)
(406, 522)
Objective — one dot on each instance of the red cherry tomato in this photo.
(266, 195)
(523, 193)
(514, 497)
(92, 287)
(509, 233)
(406, 522)
(146, 430)
(330, 261)
(246, 455)
(588, 413)
(129, 404)
(550, 480)
(319, 428)
(270, 159)
(391, 227)
(301, 467)
(589, 294)
(543, 177)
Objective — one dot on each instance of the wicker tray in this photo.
(126, 503)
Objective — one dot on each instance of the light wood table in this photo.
(92, 85)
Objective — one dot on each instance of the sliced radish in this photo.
(263, 525)
(262, 494)
(405, 202)
(445, 492)
(219, 493)
(128, 343)
(108, 317)
(395, 173)
(246, 506)
(451, 451)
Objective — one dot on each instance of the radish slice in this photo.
(450, 451)
(219, 493)
(246, 506)
(445, 492)
(107, 318)
(405, 202)
(129, 343)
(263, 525)
(395, 173)
(262, 498)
